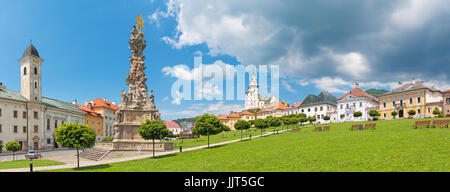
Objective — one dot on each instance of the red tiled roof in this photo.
(275, 106)
(102, 103)
(448, 91)
(359, 93)
(234, 115)
(222, 117)
(246, 113)
(171, 124)
(88, 110)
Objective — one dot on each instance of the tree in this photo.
(154, 129)
(13, 146)
(303, 120)
(357, 114)
(261, 124)
(326, 118)
(273, 121)
(1, 148)
(312, 119)
(411, 112)
(374, 113)
(207, 125)
(436, 111)
(394, 113)
(73, 135)
(224, 128)
(242, 125)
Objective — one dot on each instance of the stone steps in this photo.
(94, 154)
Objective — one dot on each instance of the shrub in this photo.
(411, 112)
(13, 146)
(357, 114)
(107, 139)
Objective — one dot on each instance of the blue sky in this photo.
(320, 45)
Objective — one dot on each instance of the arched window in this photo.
(56, 124)
(35, 85)
(25, 71)
(48, 124)
(35, 71)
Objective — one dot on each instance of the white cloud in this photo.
(287, 86)
(218, 108)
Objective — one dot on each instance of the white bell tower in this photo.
(30, 74)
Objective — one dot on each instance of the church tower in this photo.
(30, 74)
(252, 94)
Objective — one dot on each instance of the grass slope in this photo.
(393, 146)
(26, 163)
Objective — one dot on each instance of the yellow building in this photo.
(93, 119)
(410, 96)
(107, 110)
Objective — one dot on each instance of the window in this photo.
(448, 103)
(15, 128)
(315, 108)
(0, 112)
(35, 85)
(24, 114)
(0, 128)
(87, 122)
(309, 109)
(418, 100)
(410, 101)
(48, 124)
(56, 124)
(342, 106)
(24, 71)
(35, 71)
(393, 103)
(15, 114)
(24, 129)
(384, 105)
(384, 115)
(36, 128)
(35, 115)
(360, 104)
(321, 108)
(418, 111)
(48, 141)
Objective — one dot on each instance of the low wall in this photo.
(121, 145)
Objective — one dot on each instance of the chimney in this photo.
(357, 85)
(90, 105)
(413, 81)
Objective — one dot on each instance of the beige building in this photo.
(446, 104)
(410, 96)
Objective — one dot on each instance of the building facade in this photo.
(26, 116)
(253, 100)
(274, 110)
(410, 96)
(446, 103)
(318, 106)
(107, 110)
(93, 120)
(353, 101)
(174, 127)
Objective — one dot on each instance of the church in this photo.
(253, 100)
(26, 116)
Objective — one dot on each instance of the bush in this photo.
(326, 118)
(357, 114)
(394, 113)
(411, 112)
(107, 139)
(1, 148)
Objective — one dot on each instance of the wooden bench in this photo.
(370, 126)
(318, 129)
(326, 128)
(355, 127)
(443, 123)
(422, 123)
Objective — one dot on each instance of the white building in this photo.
(353, 101)
(316, 106)
(253, 100)
(27, 117)
(173, 127)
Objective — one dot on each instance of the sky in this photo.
(323, 45)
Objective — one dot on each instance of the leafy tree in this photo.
(411, 112)
(1, 148)
(301, 115)
(224, 128)
(242, 125)
(261, 124)
(154, 129)
(374, 113)
(436, 111)
(273, 121)
(208, 125)
(73, 135)
(252, 123)
(13, 146)
(303, 120)
(326, 118)
(312, 119)
(357, 114)
(294, 120)
(394, 113)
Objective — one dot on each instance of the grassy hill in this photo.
(376, 92)
(393, 146)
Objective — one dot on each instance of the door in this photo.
(36, 145)
(400, 114)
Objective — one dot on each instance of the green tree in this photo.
(436, 112)
(73, 135)
(394, 113)
(357, 114)
(411, 112)
(374, 113)
(273, 121)
(13, 146)
(224, 129)
(261, 124)
(242, 125)
(154, 129)
(312, 119)
(1, 148)
(207, 125)
(303, 120)
(326, 118)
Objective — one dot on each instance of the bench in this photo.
(326, 128)
(355, 127)
(443, 123)
(370, 126)
(318, 129)
(422, 123)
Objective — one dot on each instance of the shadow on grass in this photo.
(164, 156)
(104, 166)
(215, 147)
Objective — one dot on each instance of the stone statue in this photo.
(116, 133)
(124, 98)
(151, 98)
(157, 115)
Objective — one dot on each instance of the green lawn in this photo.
(26, 163)
(393, 146)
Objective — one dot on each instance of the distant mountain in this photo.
(376, 92)
(186, 123)
(322, 97)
